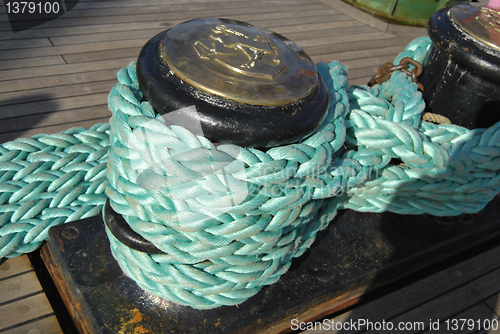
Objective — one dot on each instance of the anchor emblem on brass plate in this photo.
(253, 57)
(489, 18)
(478, 21)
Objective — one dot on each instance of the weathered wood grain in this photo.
(44, 326)
(24, 310)
(445, 294)
(19, 286)
(15, 266)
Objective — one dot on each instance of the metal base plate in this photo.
(359, 252)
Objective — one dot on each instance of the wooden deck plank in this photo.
(134, 9)
(249, 7)
(491, 331)
(298, 34)
(68, 49)
(479, 312)
(360, 54)
(453, 302)
(318, 26)
(64, 79)
(22, 300)
(64, 22)
(360, 81)
(357, 14)
(102, 55)
(178, 12)
(406, 31)
(59, 117)
(130, 3)
(343, 39)
(54, 70)
(357, 46)
(139, 42)
(44, 94)
(31, 62)
(269, 20)
(24, 43)
(298, 37)
(173, 5)
(106, 37)
(44, 326)
(105, 27)
(133, 52)
(4, 137)
(370, 61)
(273, 24)
(494, 303)
(24, 310)
(363, 72)
(76, 31)
(439, 296)
(15, 266)
(18, 287)
(42, 107)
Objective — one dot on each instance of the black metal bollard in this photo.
(250, 86)
(235, 83)
(461, 74)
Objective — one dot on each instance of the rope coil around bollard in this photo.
(182, 192)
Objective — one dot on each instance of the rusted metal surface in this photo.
(358, 253)
(72, 303)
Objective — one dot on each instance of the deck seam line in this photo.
(21, 298)
(27, 322)
(441, 294)
(16, 275)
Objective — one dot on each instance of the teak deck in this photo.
(57, 75)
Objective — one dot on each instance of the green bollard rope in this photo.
(220, 247)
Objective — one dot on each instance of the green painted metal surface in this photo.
(409, 12)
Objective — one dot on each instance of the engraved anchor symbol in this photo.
(240, 53)
(489, 18)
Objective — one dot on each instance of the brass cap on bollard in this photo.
(461, 72)
(239, 62)
(250, 86)
(479, 21)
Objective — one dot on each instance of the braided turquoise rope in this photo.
(220, 252)
(48, 180)
(450, 169)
